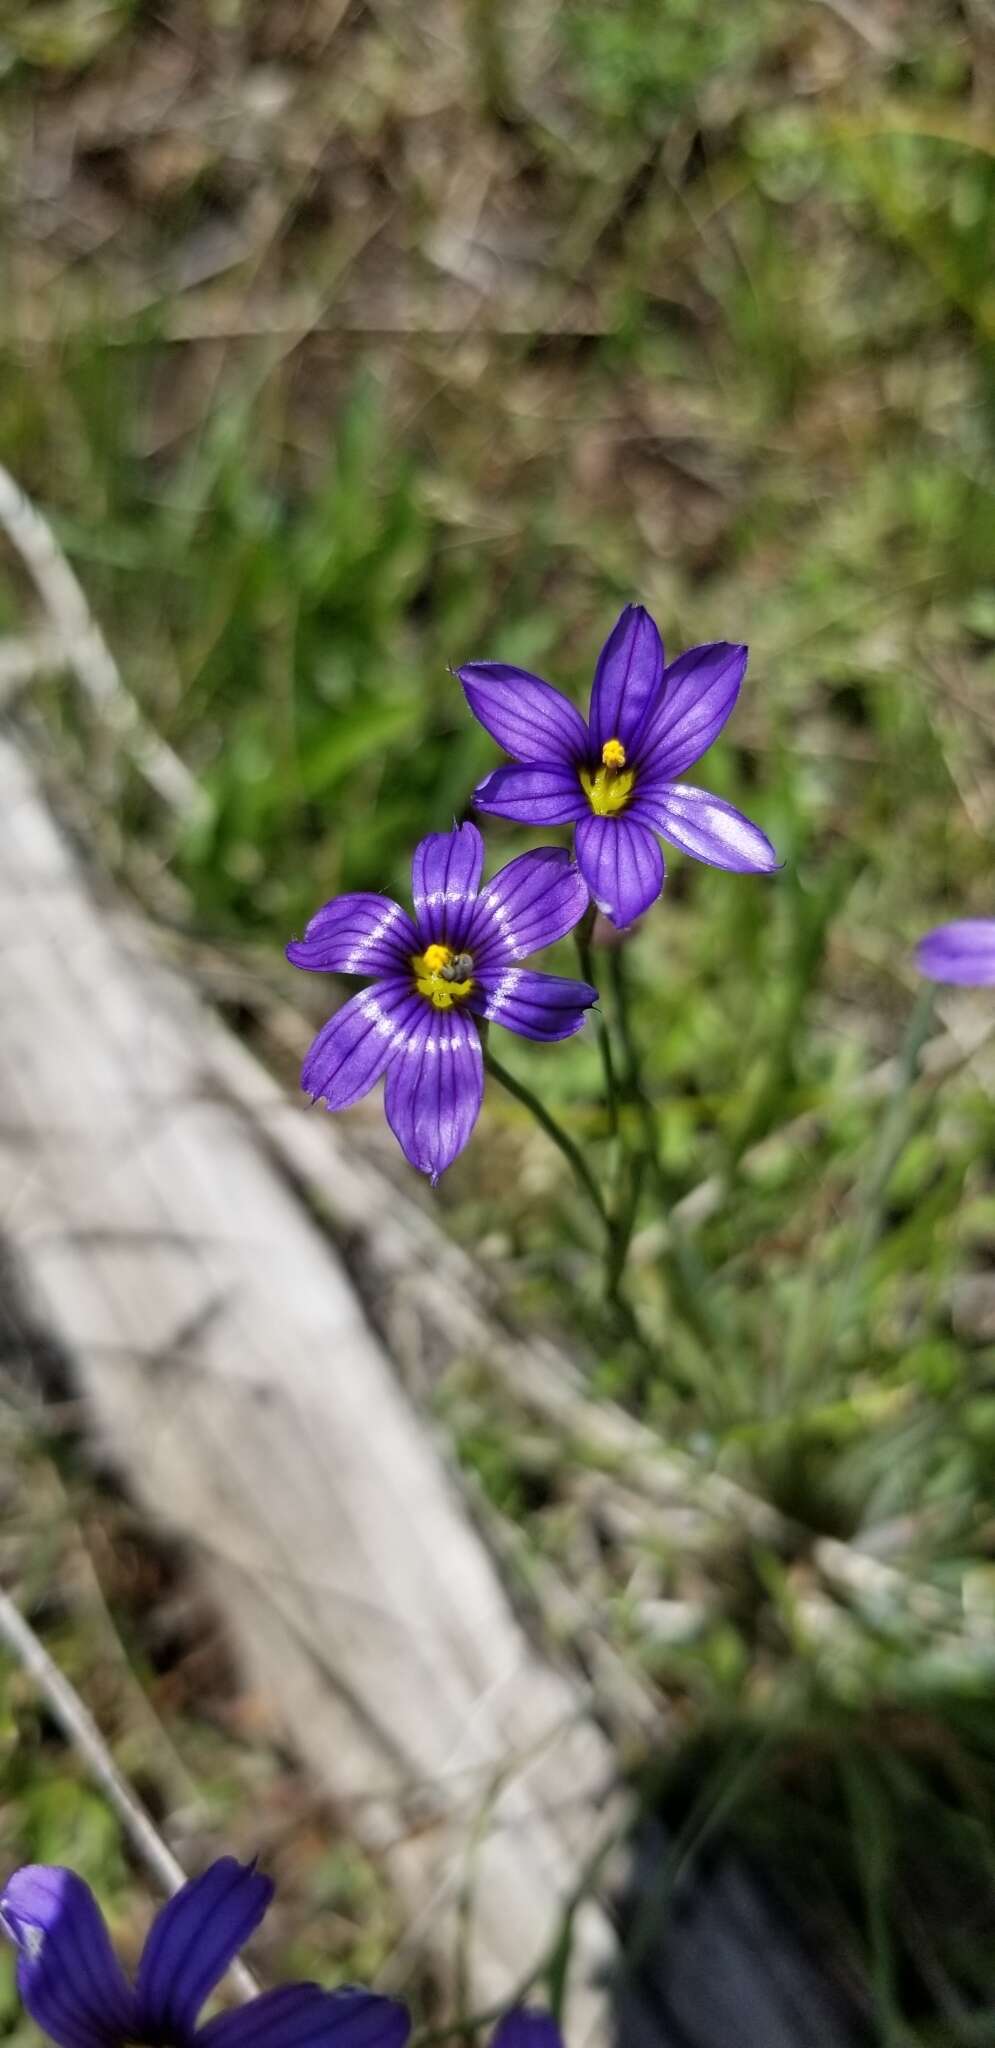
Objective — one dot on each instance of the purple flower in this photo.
(76, 1991)
(456, 961)
(963, 952)
(526, 2028)
(613, 777)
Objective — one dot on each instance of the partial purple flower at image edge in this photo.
(74, 1988)
(961, 953)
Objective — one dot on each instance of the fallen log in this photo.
(159, 1191)
(234, 1378)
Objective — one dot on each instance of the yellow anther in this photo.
(608, 790)
(435, 979)
(613, 754)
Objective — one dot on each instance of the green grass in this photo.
(733, 354)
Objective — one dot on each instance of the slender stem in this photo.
(891, 1143)
(625, 1184)
(623, 1224)
(582, 940)
(685, 1276)
(634, 1086)
(570, 1151)
(81, 1730)
(625, 1315)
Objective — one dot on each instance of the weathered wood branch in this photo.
(235, 1379)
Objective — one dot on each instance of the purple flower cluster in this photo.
(613, 778)
(74, 1987)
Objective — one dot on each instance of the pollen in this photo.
(442, 976)
(608, 788)
(613, 754)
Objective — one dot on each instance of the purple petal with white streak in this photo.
(191, 1943)
(535, 900)
(526, 716)
(445, 877)
(304, 2016)
(962, 953)
(706, 827)
(435, 1087)
(621, 864)
(67, 1973)
(626, 681)
(546, 1006)
(357, 934)
(700, 689)
(353, 1048)
(547, 795)
(525, 2029)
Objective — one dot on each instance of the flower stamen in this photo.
(442, 976)
(609, 787)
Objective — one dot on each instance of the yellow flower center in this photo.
(609, 788)
(443, 976)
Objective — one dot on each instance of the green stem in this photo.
(625, 1315)
(582, 940)
(891, 1143)
(570, 1151)
(623, 1223)
(686, 1275)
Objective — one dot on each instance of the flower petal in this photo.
(534, 901)
(445, 877)
(621, 864)
(525, 2029)
(526, 716)
(357, 934)
(700, 689)
(626, 681)
(67, 1973)
(547, 795)
(352, 1049)
(535, 1005)
(962, 952)
(706, 827)
(304, 2016)
(435, 1088)
(191, 1943)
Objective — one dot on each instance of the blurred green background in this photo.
(341, 342)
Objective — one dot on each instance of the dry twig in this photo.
(81, 1731)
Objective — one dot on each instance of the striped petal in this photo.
(547, 795)
(700, 689)
(962, 952)
(435, 1087)
(621, 864)
(526, 716)
(67, 1973)
(353, 1048)
(357, 934)
(626, 681)
(191, 1943)
(545, 1006)
(534, 901)
(706, 827)
(445, 877)
(304, 2016)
